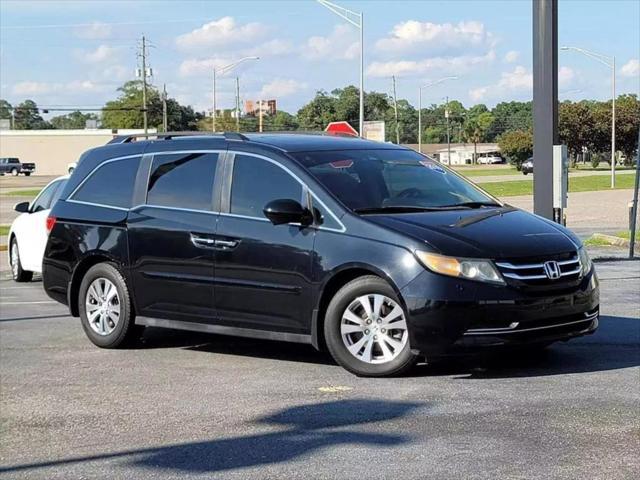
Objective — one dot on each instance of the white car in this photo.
(28, 232)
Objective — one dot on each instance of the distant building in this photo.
(252, 109)
(462, 154)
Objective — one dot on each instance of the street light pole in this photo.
(223, 70)
(430, 84)
(358, 22)
(611, 63)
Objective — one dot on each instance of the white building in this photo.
(463, 154)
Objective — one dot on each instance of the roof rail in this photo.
(169, 135)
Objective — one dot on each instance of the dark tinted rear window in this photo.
(182, 180)
(111, 184)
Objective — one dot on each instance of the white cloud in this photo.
(75, 86)
(566, 76)
(222, 33)
(281, 87)
(459, 64)
(340, 44)
(270, 48)
(117, 72)
(192, 67)
(413, 35)
(511, 56)
(519, 80)
(102, 54)
(94, 31)
(631, 68)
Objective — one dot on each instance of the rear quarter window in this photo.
(110, 184)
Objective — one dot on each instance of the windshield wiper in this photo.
(473, 205)
(397, 209)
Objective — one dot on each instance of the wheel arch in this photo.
(338, 279)
(80, 270)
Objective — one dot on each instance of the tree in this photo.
(280, 122)
(5, 109)
(627, 124)
(126, 110)
(316, 114)
(575, 126)
(517, 146)
(73, 120)
(511, 116)
(27, 117)
(477, 124)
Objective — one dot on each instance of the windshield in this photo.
(394, 180)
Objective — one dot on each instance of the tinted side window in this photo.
(58, 193)
(44, 199)
(182, 180)
(256, 182)
(111, 184)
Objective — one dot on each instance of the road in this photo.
(183, 406)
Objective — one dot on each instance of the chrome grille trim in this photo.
(509, 270)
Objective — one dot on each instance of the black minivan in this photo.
(374, 251)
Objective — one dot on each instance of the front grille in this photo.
(540, 272)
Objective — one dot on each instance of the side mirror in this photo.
(286, 210)
(21, 207)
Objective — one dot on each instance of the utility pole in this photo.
(164, 108)
(144, 84)
(395, 108)
(213, 94)
(237, 104)
(260, 116)
(446, 114)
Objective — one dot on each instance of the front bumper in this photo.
(448, 316)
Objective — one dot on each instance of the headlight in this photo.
(585, 261)
(468, 268)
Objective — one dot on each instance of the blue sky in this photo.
(76, 53)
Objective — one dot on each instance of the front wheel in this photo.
(70, 170)
(366, 329)
(106, 311)
(17, 273)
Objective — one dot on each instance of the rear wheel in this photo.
(18, 274)
(366, 329)
(26, 174)
(14, 172)
(70, 170)
(105, 307)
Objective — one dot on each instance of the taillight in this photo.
(51, 221)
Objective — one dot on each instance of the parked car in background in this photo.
(13, 166)
(527, 166)
(369, 249)
(490, 160)
(28, 233)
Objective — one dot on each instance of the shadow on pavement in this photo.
(304, 429)
(615, 345)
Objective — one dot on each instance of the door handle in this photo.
(202, 241)
(225, 243)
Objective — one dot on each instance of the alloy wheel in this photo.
(15, 260)
(102, 306)
(374, 329)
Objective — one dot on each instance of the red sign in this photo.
(341, 128)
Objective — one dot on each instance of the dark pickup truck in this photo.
(13, 166)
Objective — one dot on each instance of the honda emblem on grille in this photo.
(552, 269)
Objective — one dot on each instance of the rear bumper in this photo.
(468, 315)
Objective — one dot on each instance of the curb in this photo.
(613, 240)
(3, 248)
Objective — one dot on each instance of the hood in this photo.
(483, 233)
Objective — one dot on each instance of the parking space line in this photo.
(27, 303)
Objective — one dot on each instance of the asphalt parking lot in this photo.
(184, 405)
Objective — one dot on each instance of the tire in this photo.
(347, 322)
(524, 173)
(27, 174)
(107, 330)
(14, 172)
(70, 171)
(17, 273)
